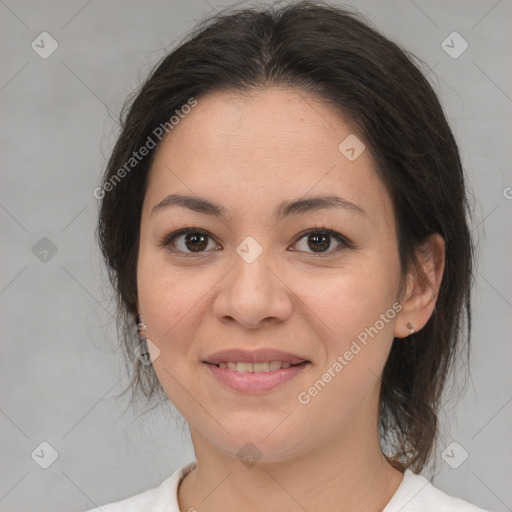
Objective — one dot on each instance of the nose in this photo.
(253, 294)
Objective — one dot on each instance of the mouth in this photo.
(255, 378)
(263, 367)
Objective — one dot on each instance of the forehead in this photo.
(263, 147)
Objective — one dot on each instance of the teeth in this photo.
(254, 367)
(244, 367)
(261, 367)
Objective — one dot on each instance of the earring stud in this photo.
(142, 351)
(140, 326)
(410, 327)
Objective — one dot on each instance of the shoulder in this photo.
(417, 494)
(161, 498)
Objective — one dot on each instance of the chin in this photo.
(263, 443)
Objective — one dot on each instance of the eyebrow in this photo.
(285, 208)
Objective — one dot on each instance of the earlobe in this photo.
(422, 288)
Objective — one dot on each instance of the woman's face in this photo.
(254, 279)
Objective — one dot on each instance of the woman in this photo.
(284, 218)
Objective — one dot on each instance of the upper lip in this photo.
(256, 356)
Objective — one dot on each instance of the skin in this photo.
(248, 153)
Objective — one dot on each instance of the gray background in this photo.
(61, 368)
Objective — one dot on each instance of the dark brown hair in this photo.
(335, 54)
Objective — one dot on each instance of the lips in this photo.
(255, 382)
(256, 356)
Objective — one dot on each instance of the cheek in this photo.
(348, 303)
(164, 299)
(175, 303)
(170, 305)
(354, 315)
(165, 293)
(172, 308)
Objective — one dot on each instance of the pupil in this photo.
(197, 241)
(322, 240)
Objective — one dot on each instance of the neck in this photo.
(345, 473)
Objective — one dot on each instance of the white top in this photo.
(414, 494)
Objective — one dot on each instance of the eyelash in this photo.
(321, 230)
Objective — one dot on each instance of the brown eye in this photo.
(189, 241)
(320, 241)
(196, 242)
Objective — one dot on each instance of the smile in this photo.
(255, 378)
(241, 367)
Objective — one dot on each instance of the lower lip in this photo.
(258, 382)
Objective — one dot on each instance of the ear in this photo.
(419, 299)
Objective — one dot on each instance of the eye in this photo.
(189, 241)
(319, 241)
